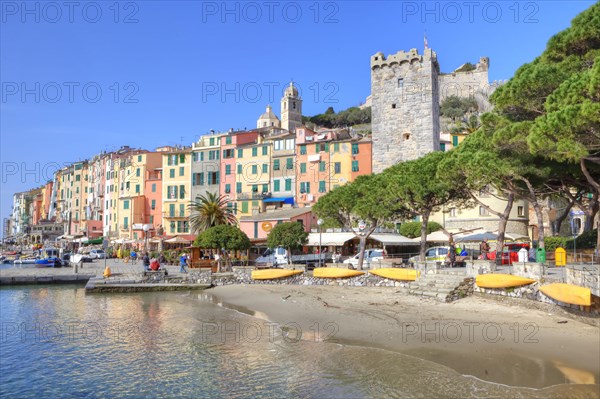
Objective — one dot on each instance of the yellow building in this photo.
(176, 190)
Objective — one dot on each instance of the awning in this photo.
(327, 239)
(285, 200)
(392, 239)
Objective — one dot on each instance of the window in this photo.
(255, 188)
(336, 147)
(337, 167)
(305, 187)
(355, 166)
(400, 83)
(288, 184)
(151, 219)
(354, 148)
(238, 188)
(265, 150)
(126, 223)
(181, 158)
(254, 169)
(322, 186)
(211, 141)
(137, 188)
(213, 178)
(453, 212)
(240, 152)
(137, 172)
(265, 168)
(245, 207)
(520, 211)
(228, 153)
(201, 156)
(153, 187)
(172, 227)
(322, 166)
(139, 158)
(171, 173)
(194, 156)
(181, 210)
(153, 205)
(454, 141)
(276, 164)
(239, 169)
(303, 167)
(228, 140)
(172, 210)
(227, 188)
(78, 178)
(265, 188)
(442, 146)
(126, 204)
(322, 147)
(255, 151)
(182, 191)
(483, 211)
(303, 149)
(227, 169)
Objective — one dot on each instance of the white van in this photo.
(371, 255)
(433, 254)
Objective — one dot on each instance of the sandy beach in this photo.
(506, 340)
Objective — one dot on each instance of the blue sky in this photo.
(77, 80)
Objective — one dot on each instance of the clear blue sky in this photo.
(162, 67)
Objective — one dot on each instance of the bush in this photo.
(413, 229)
(586, 240)
(551, 243)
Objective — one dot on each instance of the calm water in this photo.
(59, 342)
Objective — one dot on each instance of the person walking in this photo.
(452, 254)
(183, 263)
(146, 261)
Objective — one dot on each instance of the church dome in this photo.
(268, 115)
(291, 90)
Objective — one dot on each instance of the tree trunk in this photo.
(540, 217)
(361, 255)
(590, 213)
(559, 220)
(502, 225)
(423, 248)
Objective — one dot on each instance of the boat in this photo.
(270, 274)
(26, 261)
(335, 272)
(395, 273)
(568, 293)
(47, 262)
(501, 281)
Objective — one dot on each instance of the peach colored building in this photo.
(258, 225)
(153, 197)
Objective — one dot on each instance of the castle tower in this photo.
(268, 119)
(291, 108)
(405, 107)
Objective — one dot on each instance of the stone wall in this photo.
(405, 107)
(475, 267)
(584, 276)
(529, 269)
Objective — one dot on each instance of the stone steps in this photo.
(437, 285)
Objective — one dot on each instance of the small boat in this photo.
(271, 274)
(395, 273)
(26, 261)
(335, 272)
(501, 281)
(568, 293)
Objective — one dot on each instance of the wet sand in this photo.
(507, 341)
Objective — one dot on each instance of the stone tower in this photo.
(405, 107)
(291, 108)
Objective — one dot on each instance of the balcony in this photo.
(253, 196)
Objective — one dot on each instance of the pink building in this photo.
(258, 226)
(230, 153)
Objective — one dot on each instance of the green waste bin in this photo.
(540, 256)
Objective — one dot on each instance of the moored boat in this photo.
(335, 272)
(568, 293)
(501, 281)
(395, 273)
(270, 274)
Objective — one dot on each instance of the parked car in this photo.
(97, 254)
(371, 256)
(433, 254)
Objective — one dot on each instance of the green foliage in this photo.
(349, 117)
(288, 235)
(466, 67)
(456, 107)
(209, 211)
(551, 243)
(413, 229)
(223, 236)
(586, 240)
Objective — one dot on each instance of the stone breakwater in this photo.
(244, 277)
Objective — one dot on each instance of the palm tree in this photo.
(209, 211)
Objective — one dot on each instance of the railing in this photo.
(254, 196)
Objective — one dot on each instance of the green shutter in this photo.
(265, 168)
(322, 186)
(265, 188)
(254, 169)
(289, 163)
(181, 158)
(240, 152)
(355, 166)
(336, 147)
(227, 169)
(303, 167)
(244, 206)
(288, 184)
(254, 151)
(238, 187)
(172, 210)
(239, 169)
(182, 191)
(276, 164)
(228, 140)
(454, 141)
(276, 185)
(265, 151)
(227, 188)
(322, 166)
(303, 149)
(201, 178)
(172, 173)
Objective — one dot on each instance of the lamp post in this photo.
(320, 223)
(146, 228)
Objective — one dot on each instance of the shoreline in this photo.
(535, 346)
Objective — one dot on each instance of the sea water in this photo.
(60, 342)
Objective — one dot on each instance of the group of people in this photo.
(150, 264)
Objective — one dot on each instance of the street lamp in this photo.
(146, 228)
(320, 223)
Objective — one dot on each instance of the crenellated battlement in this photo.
(379, 59)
